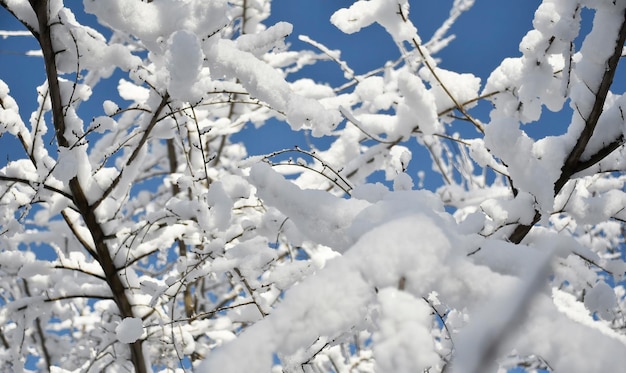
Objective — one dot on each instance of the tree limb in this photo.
(103, 256)
(573, 163)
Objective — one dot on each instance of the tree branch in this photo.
(600, 155)
(573, 163)
(102, 254)
(40, 333)
(30, 182)
(30, 28)
(153, 121)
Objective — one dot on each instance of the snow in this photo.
(552, 18)
(370, 89)
(591, 61)
(103, 124)
(267, 84)
(35, 268)
(363, 13)
(292, 267)
(129, 330)
(370, 192)
(483, 157)
(318, 215)
(402, 182)
(601, 299)
(184, 60)
(591, 208)
(314, 307)
(150, 22)
(566, 336)
(265, 41)
(418, 108)
(506, 140)
(530, 82)
(23, 11)
(67, 165)
(404, 324)
(606, 131)
(416, 248)
(389, 245)
(4, 34)
(110, 107)
(462, 87)
(131, 92)
(501, 212)
(9, 114)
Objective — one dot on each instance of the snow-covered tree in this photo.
(142, 237)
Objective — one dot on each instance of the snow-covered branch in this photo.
(190, 193)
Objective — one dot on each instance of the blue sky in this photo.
(485, 35)
(490, 31)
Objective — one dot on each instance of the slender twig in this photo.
(136, 152)
(432, 70)
(40, 333)
(69, 296)
(32, 184)
(346, 187)
(250, 291)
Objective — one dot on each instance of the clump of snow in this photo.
(34, 268)
(417, 109)
(590, 207)
(262, 42)
(132, 92)
(402, 182)
(525, 162)
(80, 42)
(10, 119)
(320, 216)
(370, 88)
(502, 212)
(315, 307)
(312, 89)
(606, 131)
(397, 161)
(268, 84)
(551, 17)
(129, 330)
(103, 124)
(110, 107)
(24, 12)
(462, 87)
(591, 65)
(184, 61)
(363, 13)
(542, 75)
(404, 324)
(67, 164)
(376, 93)
(308, 113)
(221, 206)
(370, 192)
(152, 21)
(601, 299)
(482, 157)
